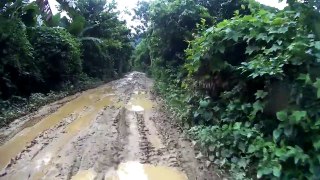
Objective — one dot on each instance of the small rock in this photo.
(208, 163)
(194, 143)
(199, 156)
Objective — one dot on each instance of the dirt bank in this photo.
(116, 131)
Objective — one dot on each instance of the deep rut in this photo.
(116, 131)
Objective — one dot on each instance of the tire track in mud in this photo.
(31, 119)
(107, 144)
(36, 146)
(146, 147)
(95, 141)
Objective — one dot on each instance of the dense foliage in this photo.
(106, 44)
(17, 66)
(266, 106)
(38, 55)
(242, 77)
(57, 55)
(141, 61)
(248, 85)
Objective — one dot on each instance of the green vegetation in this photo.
(56, 55)
(244, 77)
(62, 54)
(141, 61)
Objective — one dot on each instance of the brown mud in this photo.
(118, 131)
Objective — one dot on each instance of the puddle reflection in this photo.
(138, 171)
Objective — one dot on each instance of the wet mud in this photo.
(117, 131)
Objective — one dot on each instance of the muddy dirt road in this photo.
(116, 131)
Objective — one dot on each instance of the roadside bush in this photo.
(17, 67)
(173, 23)
(57, 54)
(96, 61)
(36, 60)
(141, 57)
(120, 53)
(261, 75)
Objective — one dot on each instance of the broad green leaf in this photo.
(288, 131)
(242, 163)
(297, 116)
(276, 134)
(208, 116)
(283, 29)
(280, 152)
(196, 114)
(279, 42)
(216, 108)
(204, 103)
(274, 48)
(317, 85)
(251, 49)
(210, 29)
(259, 174)
(264, 170)
(258, 106)
(282, 115)
(317, 45)
(317, 56)
(276, 170)
(237, 125)
(277, 21)
(231, 34)
(316, 143)
(305, 77)
(242, 146)
(221, 49)
(234, 159)
(262, 36)
(260, 94)
(252, 148)
(300, 157)
(318, 157)
(249, 134)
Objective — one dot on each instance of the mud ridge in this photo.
(147, 150)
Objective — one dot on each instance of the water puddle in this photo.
(41, 163)
(139, 102)
(85, 175)
(135, 170)
(95, 99)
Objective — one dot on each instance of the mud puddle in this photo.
(136, 170)
(91, 99)
(113, 132)
(139, 102)
(85, 175)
